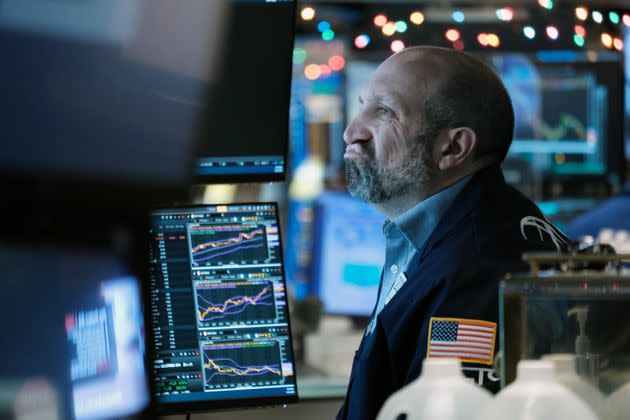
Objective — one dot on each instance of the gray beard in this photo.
(368, 181)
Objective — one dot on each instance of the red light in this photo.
(452, 35)
(336, 62)
(579, 30)
(380, 20)
(325, 70)
(458, 45)
(618, 44)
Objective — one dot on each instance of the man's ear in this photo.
(458, 144)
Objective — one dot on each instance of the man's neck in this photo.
(398, 205)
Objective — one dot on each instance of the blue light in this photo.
(458, 16)
(323, 26)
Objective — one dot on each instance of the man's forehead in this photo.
(404, 81)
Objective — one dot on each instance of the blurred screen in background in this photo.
(73, 329)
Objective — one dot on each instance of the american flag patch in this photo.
(467, 339)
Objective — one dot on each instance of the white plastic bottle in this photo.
(565, 370)
(536, 394)
(440, 393)
(619, 403)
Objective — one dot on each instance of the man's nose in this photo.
(357, 131)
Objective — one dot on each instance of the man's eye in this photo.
(380, 111)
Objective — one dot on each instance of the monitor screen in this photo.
(219, 308)
(349, 252)
(73, 334)
(562, 109)
(105, 92)
(246, 135)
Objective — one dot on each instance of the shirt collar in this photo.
(418, 222)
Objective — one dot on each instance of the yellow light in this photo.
(581, 13)
(416, 18)
(308, 13)
(560, 158)
(494, 40)
(389, 28)
(312, 71)
(607, 40)
(482, 38)
(380, 20)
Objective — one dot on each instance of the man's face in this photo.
(389, 148)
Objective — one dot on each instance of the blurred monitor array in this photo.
(245, 137)
(218, 308)
(348, 254)
(73, 327)
(106, 95)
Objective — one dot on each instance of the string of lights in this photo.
(394, 31)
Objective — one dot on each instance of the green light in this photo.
(328, 35)
(579, 41)
(299, 55)
(400, 26)
(614, 17)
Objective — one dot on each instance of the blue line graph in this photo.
(235, 302)
(220, 244)
(241, 363)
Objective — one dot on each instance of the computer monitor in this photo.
(245, 137)
(72, 324)
(348, 254)
(219, 309)
(569, 123)
(103, 99)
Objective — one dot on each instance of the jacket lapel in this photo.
(467, 200)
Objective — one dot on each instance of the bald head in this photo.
(455, 89)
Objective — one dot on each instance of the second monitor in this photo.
(219, 308)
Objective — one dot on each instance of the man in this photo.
(425, 149)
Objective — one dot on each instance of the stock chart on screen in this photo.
(219, 305)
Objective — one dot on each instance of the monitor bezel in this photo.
(231, 403)
(264, 177)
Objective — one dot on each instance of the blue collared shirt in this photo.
(405, 236)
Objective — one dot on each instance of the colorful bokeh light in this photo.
(299, 55)
(312, 72)
(336, 62)
(308, 13)
(397, 45)
(452, 35)
(581, 13)
(529, 32)
(505, 14)
(552, 32)
(362, 41)
(417, 18)
(380, 20)
(389, 29)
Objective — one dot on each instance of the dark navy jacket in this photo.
(480, 238)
